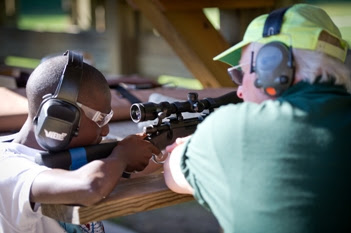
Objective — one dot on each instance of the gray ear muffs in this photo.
(57, 120)
(274, 68)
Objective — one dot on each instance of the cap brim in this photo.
(232, 55)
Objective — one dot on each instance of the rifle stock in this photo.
(74, 158)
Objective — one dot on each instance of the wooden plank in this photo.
(195, 61)
(172, 5)
(204, 40)
(129, 197)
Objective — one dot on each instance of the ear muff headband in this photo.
(274, 62)
(58, 116)
(274, 22)
(68, 87)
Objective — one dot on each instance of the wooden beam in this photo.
(176, 5)
(129, 197)
(190, 34)
(206, 42)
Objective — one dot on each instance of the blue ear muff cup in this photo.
(56, 124)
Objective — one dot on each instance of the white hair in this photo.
(311, 64)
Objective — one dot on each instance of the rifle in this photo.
(169, 126)
(170, 123)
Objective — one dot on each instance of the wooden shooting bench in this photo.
(129, 197)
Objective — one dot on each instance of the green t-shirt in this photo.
(279, 166)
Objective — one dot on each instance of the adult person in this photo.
(24, 185)
(281, 160)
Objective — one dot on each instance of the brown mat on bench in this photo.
(13, 108)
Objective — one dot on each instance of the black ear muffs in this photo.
(56, 124)
(58, 117)
(274, 66)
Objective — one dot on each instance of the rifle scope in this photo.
(149, 111)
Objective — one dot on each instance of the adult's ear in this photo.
(239, 92)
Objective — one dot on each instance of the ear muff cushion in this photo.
(274, 70)
(56, 124)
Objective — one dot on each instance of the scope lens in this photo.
(135, 113)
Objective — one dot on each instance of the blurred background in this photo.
(127, 39)
(116, 36)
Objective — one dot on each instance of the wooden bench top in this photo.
(130, 196)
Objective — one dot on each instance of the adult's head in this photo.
(94, 93)
(285, 47)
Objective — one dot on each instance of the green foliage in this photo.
(42, 22)
(188, 83)
(22, 62)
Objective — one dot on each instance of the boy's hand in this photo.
(135, 152)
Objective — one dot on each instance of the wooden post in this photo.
(189, 33)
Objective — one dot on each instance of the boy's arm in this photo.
(95, 180)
